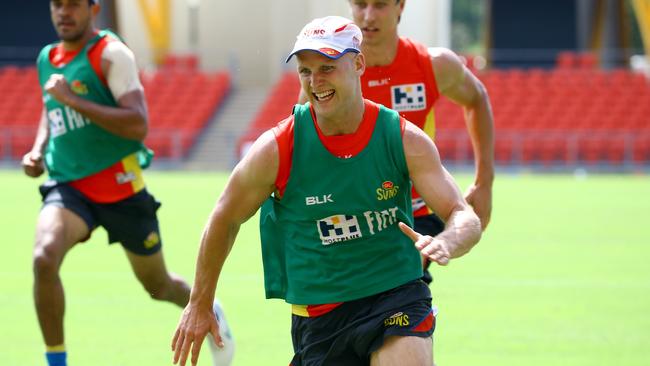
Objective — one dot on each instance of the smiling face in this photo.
(377, 19)
(72, 19)
(331, 86)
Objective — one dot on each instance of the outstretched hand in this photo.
(430, 247)
(194, 326)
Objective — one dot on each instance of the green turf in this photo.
(560, 278)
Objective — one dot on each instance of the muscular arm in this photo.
(440, 192)
(129, 118)
(251, 182)
(457, 83)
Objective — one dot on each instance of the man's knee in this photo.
(44, 266)
(57, 231)
(46, 258)
(157, 287)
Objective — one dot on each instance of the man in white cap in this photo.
(333, 181)
(410, 78)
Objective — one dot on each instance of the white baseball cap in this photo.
(331, 36)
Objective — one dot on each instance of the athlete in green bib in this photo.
(323, 221)
(77, 147)
(333, 181)
(89, 140)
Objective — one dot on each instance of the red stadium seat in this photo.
(181, 100)
(566, 60)
(277, 106)
(180, 62)
(544, 109)
(572, 112)
(505, 150)
(587, 60)
(641, 148)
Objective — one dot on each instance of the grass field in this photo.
(561, 277)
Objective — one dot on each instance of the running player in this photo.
(404, 75)
(333, 182)
(90, 140)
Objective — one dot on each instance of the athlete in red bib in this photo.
(404, 75)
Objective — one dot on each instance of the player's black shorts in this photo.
(428, 225)
(350, 333)
(132, 221)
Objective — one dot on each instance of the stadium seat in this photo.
(180, 62)
(277, 106)
(604, 112)
(566, 60)
(548, 116)
(181, 100)
(505, 150)
(641, 148)
(587, 60)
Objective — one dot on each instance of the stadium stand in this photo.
(20, 109)
(579, 60)
(277, 106)
(574, 113)
(181, 101)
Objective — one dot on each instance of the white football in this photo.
(222, 356)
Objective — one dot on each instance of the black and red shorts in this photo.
(350, 333)
(132, 222)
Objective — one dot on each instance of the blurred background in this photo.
(568, 79)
